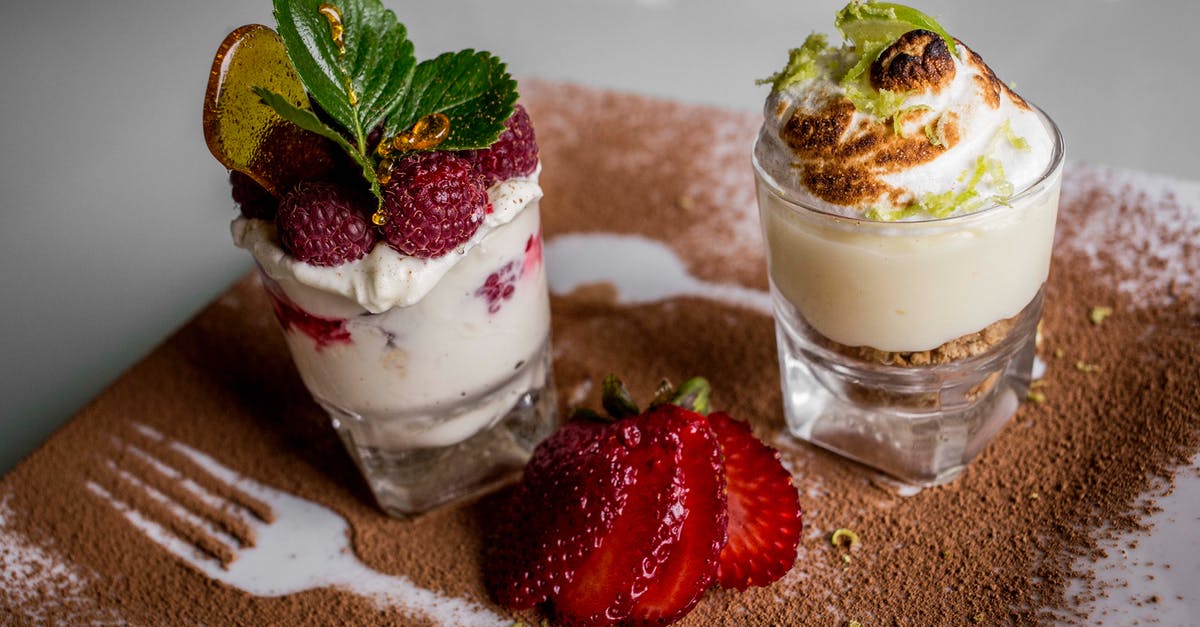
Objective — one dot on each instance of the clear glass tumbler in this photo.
(908, 345)
(444, 399)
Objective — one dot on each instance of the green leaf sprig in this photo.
(358, 66)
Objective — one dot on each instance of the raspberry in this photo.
(515, 153)
(323, 224)
(499, 286)
(254, 200)
(434, 203)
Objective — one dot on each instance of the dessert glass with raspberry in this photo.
(393, 214)
(908, 199)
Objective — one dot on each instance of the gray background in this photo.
(116, 217)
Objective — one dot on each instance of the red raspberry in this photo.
(515, 153)
(324, 224)
(434, 203)
(254, 200)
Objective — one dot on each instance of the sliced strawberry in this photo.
(764, 509)
(630, 555)
(691, 564)
(557, 516)
(587, 526)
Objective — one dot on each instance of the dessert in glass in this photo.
(908, 199)
(393, 214)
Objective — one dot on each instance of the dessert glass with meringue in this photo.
(908, 200)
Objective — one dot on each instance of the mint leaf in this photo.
(471, 88)
(359, 83)
(309, 121)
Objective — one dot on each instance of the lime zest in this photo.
(985, 168)
(1014, 140)
(801, 65)
(1098, 314)
(865, 54)
(843, 537)
(881, 104)
(933, 132)
(898, 126)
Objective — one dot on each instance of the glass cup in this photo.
(444, 399)
(908, 345)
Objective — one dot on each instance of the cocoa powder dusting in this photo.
(1000, 545)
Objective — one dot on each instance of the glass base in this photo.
(920, 424)
(408, 481)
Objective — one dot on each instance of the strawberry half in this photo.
(764, 508)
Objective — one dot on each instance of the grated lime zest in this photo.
(801, 66)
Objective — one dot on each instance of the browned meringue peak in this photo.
(919, 60)
(990, 86)
(842, 161)
(845, 157)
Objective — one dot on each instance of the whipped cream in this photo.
(384, 278)
(874, 166)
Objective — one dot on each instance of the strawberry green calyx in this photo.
(617, 400)
(692, 395)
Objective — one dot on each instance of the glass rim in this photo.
(1056, 160)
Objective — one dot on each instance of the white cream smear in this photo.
(274, 566)
(643, 270)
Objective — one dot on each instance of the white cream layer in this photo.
(384, 278)
(906, 286)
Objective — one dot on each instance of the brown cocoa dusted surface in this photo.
(998, 546)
